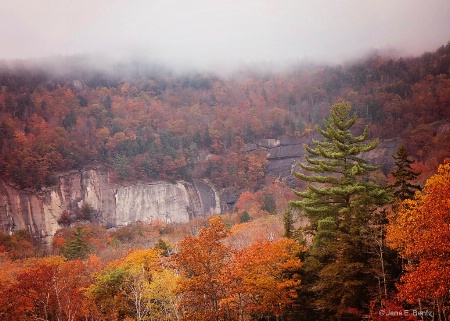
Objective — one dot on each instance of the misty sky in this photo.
(219, 33)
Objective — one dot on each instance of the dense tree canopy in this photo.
(148, 123)
(420, 232)
(219, 283)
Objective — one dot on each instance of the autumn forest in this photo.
(344, 239)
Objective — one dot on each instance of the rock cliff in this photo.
(286, 152)
(113, 205)
(116, 205)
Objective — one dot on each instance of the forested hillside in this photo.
(145, 122)
(347, 242)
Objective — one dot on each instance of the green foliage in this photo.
(340, 175)
(107, 289)
(152, 119)
(269, 205)
(70, 120)
(288, 222)
(338, 202)
(164, 247)
(404, 174)
(76, 247)
(244, 217)
(85, 213)
(121, 167)
(82, 101)
(107, 102)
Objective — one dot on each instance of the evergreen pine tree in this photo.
(338, 202)
(77, 247)
(391, 262)
(403, 175)
(288, 222)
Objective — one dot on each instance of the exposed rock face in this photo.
(116, 205)
(19, 209)
(113, 205)
(383, 154)
(285, 153)
(149, 202)
(210, 200)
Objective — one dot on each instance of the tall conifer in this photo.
(404, 174)
(339, 202)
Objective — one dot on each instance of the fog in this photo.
(220, 34)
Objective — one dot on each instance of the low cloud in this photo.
(209, 35)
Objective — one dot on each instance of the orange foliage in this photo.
(220, 283)
(49, 288)
(250, 202)
(262, 279)
(420, 232)
(269, 228)
(202, 260)
(60, 127)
